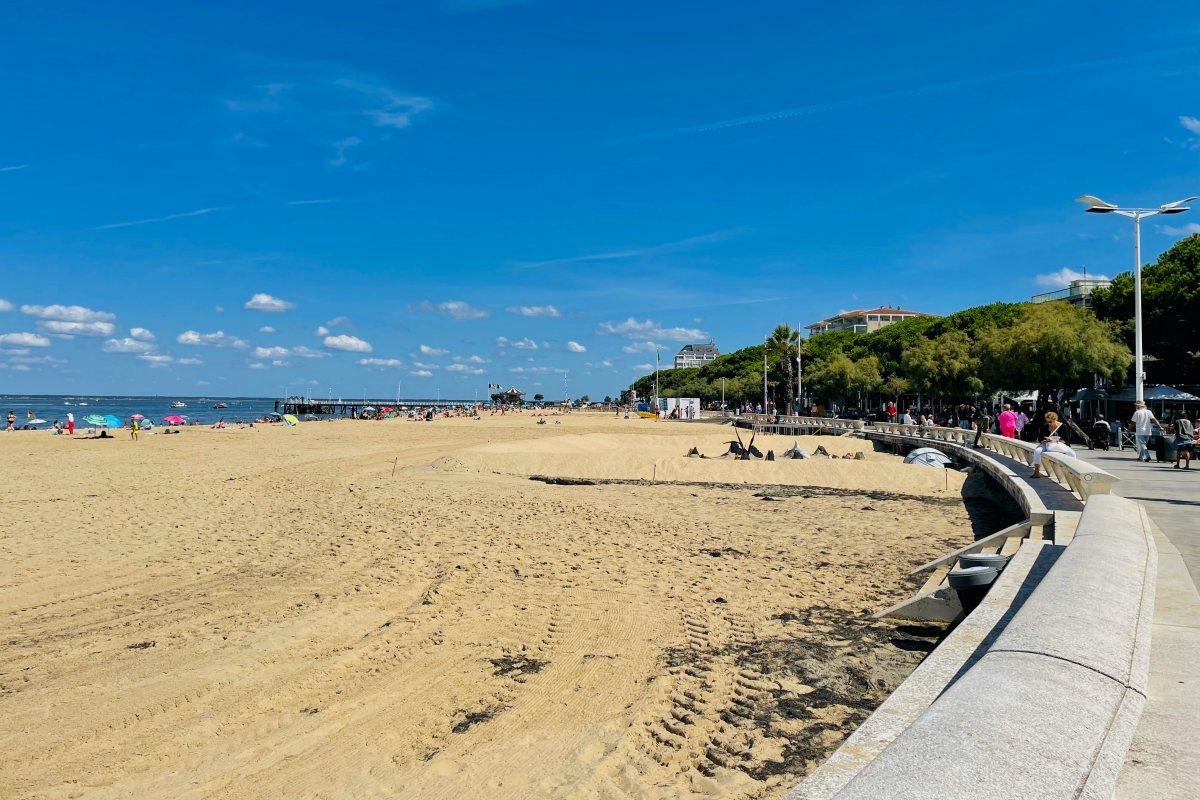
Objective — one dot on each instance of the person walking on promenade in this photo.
(983, 423)
(1143, 428)
(1022, 422)
(1185, 440)
(891, 411)
(1055, 438)
(70, 424)
(1007, 421)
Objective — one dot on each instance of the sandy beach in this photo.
(394, 609)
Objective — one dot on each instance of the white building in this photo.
(696, 355)
(864, 320)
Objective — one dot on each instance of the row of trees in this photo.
(1001, 346)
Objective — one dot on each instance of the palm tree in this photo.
(785, 342)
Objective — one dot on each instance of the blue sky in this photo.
(214, 200)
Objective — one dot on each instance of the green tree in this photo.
(539, 397)
(843, 377)
(942, 366)
(1051, 346)
(1170, 308)
(783, 344)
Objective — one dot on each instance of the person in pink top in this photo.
(1007, 422)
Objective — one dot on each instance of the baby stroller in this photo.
(1101, 434)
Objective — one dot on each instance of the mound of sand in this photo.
(642, 456)
(315, 612)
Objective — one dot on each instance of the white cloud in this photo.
(1191, 123)
(189, 361)
(523, 344)
(308, 352)
(426, 350)
(24, 339)
(199, 212)
(1063, 277)
(266, 329)
(16, 367)
(644, 367)
(216, 339)
(262, 301)
(639, 347)
(477, 359)
(270, 352)
(421, 373)
(340, 149)
(143, 334)
(464, 368)
(36, 360)
(1181, 230)
(156, 359)
(219, 309)
(455, 309)
(68, 313)
(379, 362)
(635, 329)
(349, 343)
(63, 328)
(126, 345)
(422, 365)
(280, 363)
(534, 311)
(576, 347)
(5, 305)
(322, 330)
(333, 323)
(258, 365)
(606, 363)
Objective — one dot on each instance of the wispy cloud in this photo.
(199, 212)
(351, 344)
(1062, 278)
(635, 252)
(1180, 230)
(576, 347)
(636, 329)
(931, 89)
(455, 309)
(534, 311)
(14, 167)
(379, 362)
(24, 339)
(215, 339)
(68, 313)
(261, 301)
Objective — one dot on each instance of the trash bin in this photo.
(1165, 448)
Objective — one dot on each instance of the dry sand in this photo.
(271, 613)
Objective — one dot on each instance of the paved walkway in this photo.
(1164, 761)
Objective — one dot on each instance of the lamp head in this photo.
(1095, 205)
(1177, 207)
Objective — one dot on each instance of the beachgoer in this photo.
(983, 423)
(1185, 441)
(907, 419)
(70, 424)
(134, 428)
(1007, 421)
(12, 420)
(1055, 439)
(1143, 428)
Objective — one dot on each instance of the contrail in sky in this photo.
(900, 94)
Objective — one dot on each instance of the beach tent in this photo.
(928, 457)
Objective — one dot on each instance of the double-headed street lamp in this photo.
(1097, 206)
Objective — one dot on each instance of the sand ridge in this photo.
(272, 613)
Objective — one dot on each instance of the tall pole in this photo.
(1139, 376)
(722, 394)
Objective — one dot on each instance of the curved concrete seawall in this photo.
(1038, 692)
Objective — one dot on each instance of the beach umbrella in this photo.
(111, 421)
(174, 419)
(290, 420)
(96, 420)
(138, 416)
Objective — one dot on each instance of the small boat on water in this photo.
(220, 405)
(179, 404)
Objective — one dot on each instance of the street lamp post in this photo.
(1097, 206)
(799, 372)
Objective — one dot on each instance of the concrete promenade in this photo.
(1164, 760)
